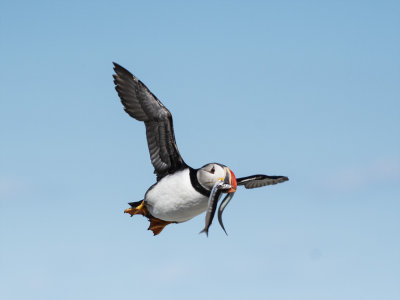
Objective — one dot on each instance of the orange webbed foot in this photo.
(138, 210)
(157, 225)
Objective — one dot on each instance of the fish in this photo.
(215, 194)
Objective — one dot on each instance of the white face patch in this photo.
(209, 174)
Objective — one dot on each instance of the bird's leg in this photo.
(157, 225)
(138, 210)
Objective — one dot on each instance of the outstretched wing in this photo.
(142, 105)
(255, 181)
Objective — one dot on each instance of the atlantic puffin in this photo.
(180, 192)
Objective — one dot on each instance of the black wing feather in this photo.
(255, 181)
(140, 103)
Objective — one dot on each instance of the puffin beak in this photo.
(230, 178)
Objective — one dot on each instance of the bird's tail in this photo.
(135, 204)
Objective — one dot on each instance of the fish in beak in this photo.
(224, 185)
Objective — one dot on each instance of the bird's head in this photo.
(210, 174)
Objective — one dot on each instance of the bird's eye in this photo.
(212, 171)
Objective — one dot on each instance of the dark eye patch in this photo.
(212, 171)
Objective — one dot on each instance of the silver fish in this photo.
(224, 203)
(215, 195)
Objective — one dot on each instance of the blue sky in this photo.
(310, 90)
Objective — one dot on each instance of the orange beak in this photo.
(230, 178)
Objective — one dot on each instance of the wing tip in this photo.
(120, 70)
(284, 178)
(117, 66)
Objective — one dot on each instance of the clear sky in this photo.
(308, 89)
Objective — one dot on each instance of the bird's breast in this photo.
(174, 199)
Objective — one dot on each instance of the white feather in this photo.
(174, 199)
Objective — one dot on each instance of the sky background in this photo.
(310, 90)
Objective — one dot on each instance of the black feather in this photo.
(140, 103)
(255, 181)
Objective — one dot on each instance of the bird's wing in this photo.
(255, 181)
(142, 105)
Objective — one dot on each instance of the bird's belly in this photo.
(174, 199)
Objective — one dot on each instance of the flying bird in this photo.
(181, 192)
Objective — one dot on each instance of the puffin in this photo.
(180, 192)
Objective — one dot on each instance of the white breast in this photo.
(173, 198)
